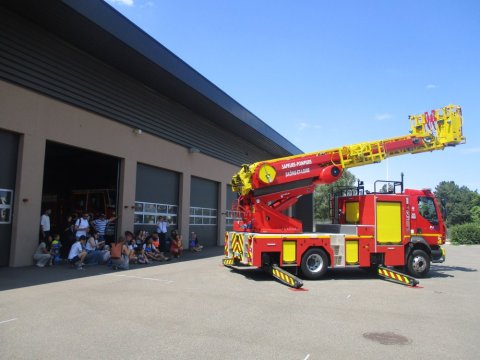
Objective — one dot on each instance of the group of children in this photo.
(142, 249)
(48, 251)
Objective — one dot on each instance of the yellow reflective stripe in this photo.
(426, 235)
(313, 236)
(291, 236)
(282, 276)
(298, 236)
(359, 237)
(399, 277)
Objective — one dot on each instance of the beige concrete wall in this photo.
(38, 118)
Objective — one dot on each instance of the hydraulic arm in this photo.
(267, 188)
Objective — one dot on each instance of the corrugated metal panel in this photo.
(8, 159)
(36, 59)
(157, 185)
(204, 194)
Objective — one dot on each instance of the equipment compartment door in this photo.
(289, 251)
(389, 222)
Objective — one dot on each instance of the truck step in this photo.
(285, 277)
(397, 277)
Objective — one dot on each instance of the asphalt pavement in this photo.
(195, 308)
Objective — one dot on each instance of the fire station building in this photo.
(97, 116)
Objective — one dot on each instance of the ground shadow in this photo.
(436, 271)
(443, 271)
(13, 278)
(252, 273)
(256, 274)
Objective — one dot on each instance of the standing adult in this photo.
(68, 237)
(45, 223)
(82, 226)
(162, 229)
(110, 230)
(100, 225)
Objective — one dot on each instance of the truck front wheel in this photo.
(314, 264)
(418, 263)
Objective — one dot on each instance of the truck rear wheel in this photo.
(314, 264)
(418, 263)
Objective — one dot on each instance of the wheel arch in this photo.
(417, 242)
(328, 252)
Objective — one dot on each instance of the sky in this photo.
(325, 74)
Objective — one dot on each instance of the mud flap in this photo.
(285, 277)
(397, 277)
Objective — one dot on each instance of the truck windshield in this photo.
(427, 209)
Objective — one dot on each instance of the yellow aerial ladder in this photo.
(428, 132)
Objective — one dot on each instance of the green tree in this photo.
(322, 195)
(461, 202)
(475, 209)
(475, 213)
(387, 188)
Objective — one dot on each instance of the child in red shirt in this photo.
(176, 246)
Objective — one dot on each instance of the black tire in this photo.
(418, 263)
(314, 264)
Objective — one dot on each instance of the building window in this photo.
(150, 213)
(6, 199)
(203, 216)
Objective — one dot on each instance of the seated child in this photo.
(139, 252)
(55, 250)
(152, 252)
(193, 243)
(132, 247)
(120, 254)
(176, 246)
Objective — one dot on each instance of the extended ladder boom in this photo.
(428, 132)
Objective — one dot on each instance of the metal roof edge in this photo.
(110, 20)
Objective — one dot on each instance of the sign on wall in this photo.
(6, 201)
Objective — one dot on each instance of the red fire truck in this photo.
(393, 228)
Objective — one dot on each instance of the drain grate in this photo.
(387, 338)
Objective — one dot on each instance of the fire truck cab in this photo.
(392, 228)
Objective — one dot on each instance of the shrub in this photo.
(465, 234)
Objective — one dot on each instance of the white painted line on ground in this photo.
(306, 357)
(141, 278)
(6, 321)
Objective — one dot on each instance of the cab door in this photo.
(389, 228)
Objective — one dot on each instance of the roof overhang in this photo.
(98, 29)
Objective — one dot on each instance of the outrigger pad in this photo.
(228, 262)
(285, 277)
(397, 277)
